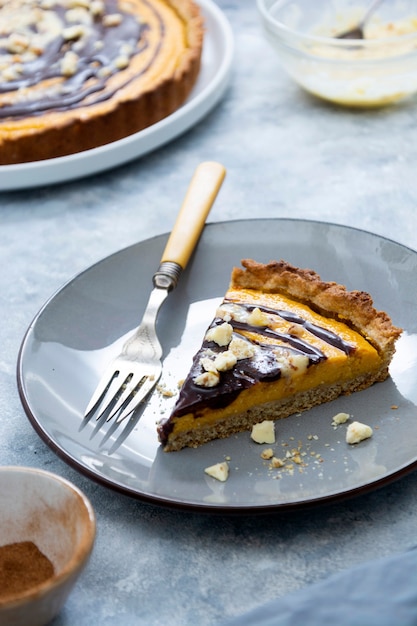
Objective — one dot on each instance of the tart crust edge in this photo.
(330, 299)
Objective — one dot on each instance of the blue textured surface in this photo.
(380, 593)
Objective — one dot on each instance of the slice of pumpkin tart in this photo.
(281, 342)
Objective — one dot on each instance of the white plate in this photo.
(210, 87)
(81, 328)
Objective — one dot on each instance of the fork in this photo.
(133, 374)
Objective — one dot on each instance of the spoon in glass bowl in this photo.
(357, 31)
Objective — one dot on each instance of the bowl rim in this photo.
(78, 559)
(264, 7)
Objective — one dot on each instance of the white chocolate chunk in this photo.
(264, 432)
(219, 471)
(357, 432)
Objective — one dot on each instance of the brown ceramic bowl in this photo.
(48, 511)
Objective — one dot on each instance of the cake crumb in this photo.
(219, 471)
(268, 453)
(357, 432)
(276, 462)
(264, 432)
(164, 391)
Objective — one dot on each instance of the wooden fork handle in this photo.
(199, 199)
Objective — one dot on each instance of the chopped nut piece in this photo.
(221, 334)
(264, 432)
(79, 15)
(258, 318)
(241, 349)
(296, 330)
(74, 32)
(104, 72)
(113, 19)
(208, 365)
(340, 418)
(97, 7)
(121, 62)
(291, 364)
(17, 43)
(69, 63)
(219, 471)
(12, 73)
(73, 4)
(127, 49)
(357, 432)
(207, 379)
(225, 361)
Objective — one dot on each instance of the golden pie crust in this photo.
(338, 344)
(93, 72)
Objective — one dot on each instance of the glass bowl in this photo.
(378, 70)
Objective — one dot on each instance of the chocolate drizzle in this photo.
(322, 333)
(264, 366)
(302, 347)
(96, 53)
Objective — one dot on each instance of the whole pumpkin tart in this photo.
(77, 74)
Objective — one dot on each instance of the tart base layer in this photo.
(306, 342)
(78, 75)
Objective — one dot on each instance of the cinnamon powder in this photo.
(22, 567)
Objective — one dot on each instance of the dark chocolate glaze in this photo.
(263, 367)
(87, 86)
(302, 346)
(322, 333)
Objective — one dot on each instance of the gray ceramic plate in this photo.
(83, 326)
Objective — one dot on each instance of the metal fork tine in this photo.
(102, 389)
(115, 388)
(107, 392)
(128, 390)
(138, 398)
